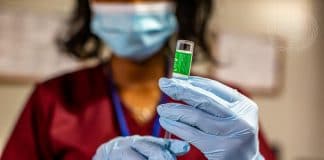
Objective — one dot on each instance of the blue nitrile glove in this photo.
(218, 120)
(141, 148)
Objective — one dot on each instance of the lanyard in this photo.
(121, 117)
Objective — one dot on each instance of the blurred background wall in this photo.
(292, 119)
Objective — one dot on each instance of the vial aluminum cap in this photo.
(185, 45)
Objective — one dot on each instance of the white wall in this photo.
(293, 118)
(13, 95)
(40, 5)
(12, 98)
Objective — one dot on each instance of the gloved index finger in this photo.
(229, 94)
(152, 151)
(159, 141)
(195, 96)
(177, 147)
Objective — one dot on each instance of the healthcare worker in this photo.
(114, 105)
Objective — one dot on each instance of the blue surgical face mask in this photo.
(134, 31)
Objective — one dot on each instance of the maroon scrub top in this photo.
(68, 117)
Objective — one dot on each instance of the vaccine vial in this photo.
(183, 59)
(182, 63)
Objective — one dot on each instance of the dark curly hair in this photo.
(192, 15)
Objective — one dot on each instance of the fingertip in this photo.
(164, 82)
(162, 109)
(135, 145)
(163, 121)
(140, 145)
(167, 82)
(179, 147)
(194, 78)
(167, 124)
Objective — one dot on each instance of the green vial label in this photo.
(182, 63)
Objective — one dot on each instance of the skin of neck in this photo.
(137, 83)
(128, 73)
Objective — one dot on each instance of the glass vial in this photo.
(183, 59)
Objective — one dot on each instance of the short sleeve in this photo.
(28, 138)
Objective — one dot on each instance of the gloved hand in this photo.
(218, 120)
(141, 148)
